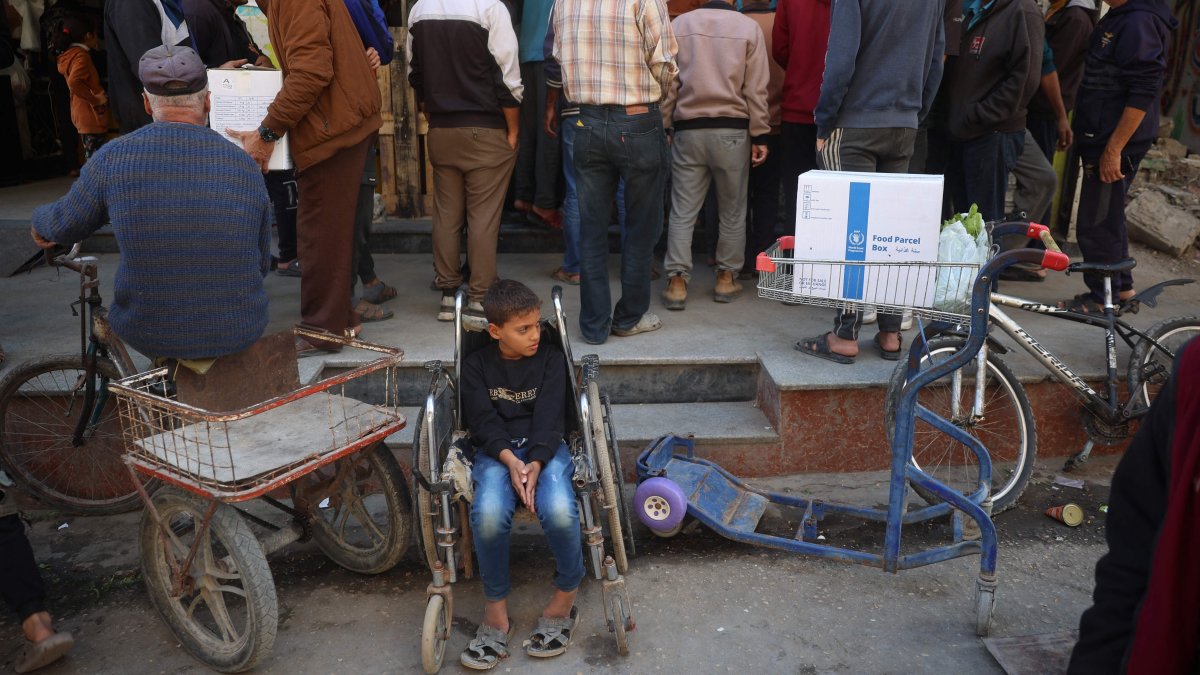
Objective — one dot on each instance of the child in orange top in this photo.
(89, 104)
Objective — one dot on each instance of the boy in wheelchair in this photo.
(513, 399)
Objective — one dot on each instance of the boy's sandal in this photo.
(377, 293)
(552, 635)
(487, 649)
(819, 347)
(1084, 303)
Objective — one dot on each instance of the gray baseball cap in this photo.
(172, 71)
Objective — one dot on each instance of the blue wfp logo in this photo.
(856, 241)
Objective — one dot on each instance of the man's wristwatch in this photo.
(267, 135)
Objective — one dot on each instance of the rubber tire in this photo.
(433, 650)
(670, 492)
(399, 533)
(667, 534)
(258, 583)
(12, 382)
(1019, 479)
(422, 498)
(1142, 351)
(985, 604)
(604, 463)
(620, 618)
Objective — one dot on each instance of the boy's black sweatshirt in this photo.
(997, 70)
(504, 399)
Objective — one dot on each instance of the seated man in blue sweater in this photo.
(514, 400)
(191, 217)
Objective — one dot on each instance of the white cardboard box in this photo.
(240, 97)
(873, 217)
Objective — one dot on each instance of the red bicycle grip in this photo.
(1035, 230)
(1055, 260)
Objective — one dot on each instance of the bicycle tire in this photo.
(426, 537)
(35, 438)
(602, 455)
(233, 565)
(389, 530)
(1018, 447)
(1149, 366)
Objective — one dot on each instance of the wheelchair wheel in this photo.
(367, 525)
(435, 632)
(426, 537)
(604, 463)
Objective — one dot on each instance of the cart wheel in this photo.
(226, 614)
(661, 503)
(434, 634)
(620, 622)
(608, 482)
(985, 602)
(366, 526)
(667, 534)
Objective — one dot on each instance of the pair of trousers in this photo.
(285, 199)
(875, 151)
(700, 157)
(535, 178)
(617, 143)
(21, 584)
(325, 238)
(364, 213)
(1036, 181)
(570, 203)
(492, 516)
(799, 144)
(471, 169)
(978, 171)
(763, 200)
(1100, 226)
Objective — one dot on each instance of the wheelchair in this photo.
(442, 487)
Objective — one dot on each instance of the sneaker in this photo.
(473, 317)
(870, 316)
(647, 323)
(674, 296)
(727, 288)
(906, 320)
(446, 308)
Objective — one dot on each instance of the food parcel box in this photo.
(240, 97)
(867, 217)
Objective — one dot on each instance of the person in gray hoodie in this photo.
(881, 75)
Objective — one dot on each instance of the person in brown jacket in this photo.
(74, 42)
(330, 104)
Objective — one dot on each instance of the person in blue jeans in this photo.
(514, 400)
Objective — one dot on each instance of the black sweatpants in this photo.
(20, 582)
(1100, 226)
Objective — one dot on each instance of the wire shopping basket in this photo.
(246, 453)
(936, 291)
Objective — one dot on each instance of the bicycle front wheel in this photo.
(1005, 427)
(41, 402)
(1150, 364)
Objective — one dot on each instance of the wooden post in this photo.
(401, 169)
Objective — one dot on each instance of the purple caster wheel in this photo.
(661, 505)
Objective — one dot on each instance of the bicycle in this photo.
(991, 404)
(60, 432)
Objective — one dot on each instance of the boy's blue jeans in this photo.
(492, 516)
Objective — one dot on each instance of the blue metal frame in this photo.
(674, 455)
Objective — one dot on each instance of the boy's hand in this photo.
(532, 471)
(517, 474)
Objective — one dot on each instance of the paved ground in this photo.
(703, 604)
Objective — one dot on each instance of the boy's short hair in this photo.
(508, 298)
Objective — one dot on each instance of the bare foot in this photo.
(495, 614)
(887, 341)
(37, 627)
(561, 604)
(838, 345)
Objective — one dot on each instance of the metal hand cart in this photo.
(673, 481)
(205, 568)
